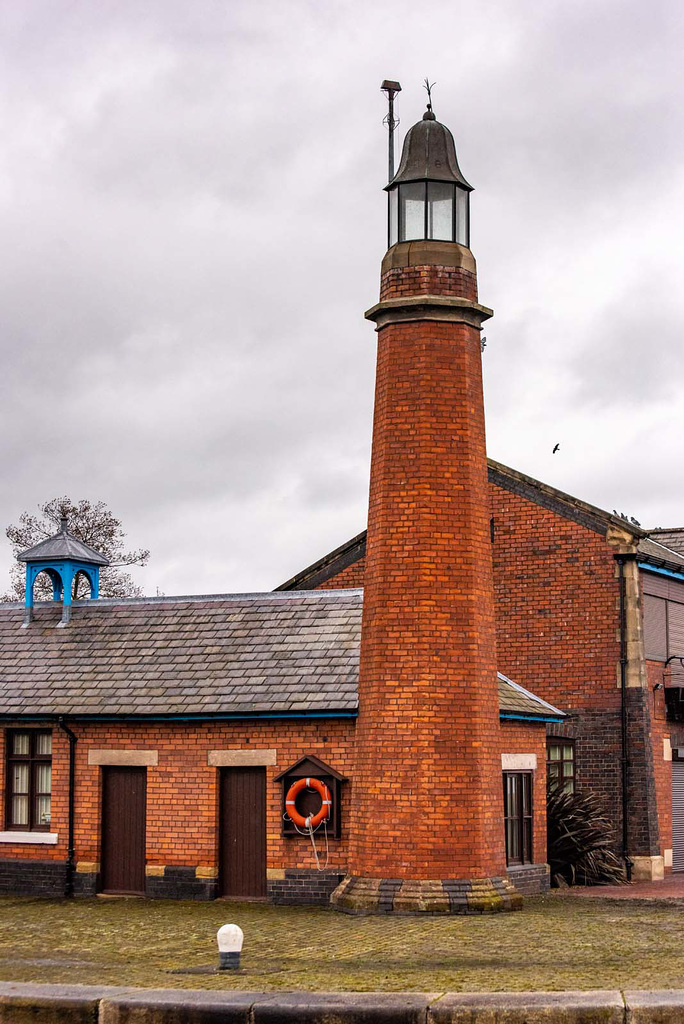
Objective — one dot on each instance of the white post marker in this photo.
(229, 938)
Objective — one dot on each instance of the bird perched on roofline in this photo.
(556, 447)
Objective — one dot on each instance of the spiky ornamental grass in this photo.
(581, 841)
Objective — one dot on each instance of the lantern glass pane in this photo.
(411, 211)
(462, 217)
(440, 211)
(393, 216)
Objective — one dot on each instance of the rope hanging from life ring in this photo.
(312, 820)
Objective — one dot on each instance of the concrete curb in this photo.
(22, 1003)
(599, 1007)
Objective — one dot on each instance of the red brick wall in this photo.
(428, 731)
(182, 792)
(661, 729)
(529, 738)
(428, 280)
(350, 578)
(557, 634)
(556, 597)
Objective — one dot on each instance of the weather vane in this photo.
(428, 89)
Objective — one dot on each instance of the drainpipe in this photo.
(624, 760)
(70, 861)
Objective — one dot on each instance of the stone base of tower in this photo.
(355, 895)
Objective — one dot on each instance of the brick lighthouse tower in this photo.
(427, 821)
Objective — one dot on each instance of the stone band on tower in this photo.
(427, 821)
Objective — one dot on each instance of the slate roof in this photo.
(63, 545)
(672, 537)
(659, 553)
(241, 654)
(516, 700)
(254, 653)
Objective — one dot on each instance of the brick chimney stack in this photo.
(427, 817)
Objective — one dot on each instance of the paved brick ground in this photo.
(555, 943)
(672, 888)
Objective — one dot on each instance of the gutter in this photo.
(71, 858)
(9, 716)
(509, 716)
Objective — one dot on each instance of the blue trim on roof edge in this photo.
(508, 715)
(180, 717)
(51, 716)
(647, 567)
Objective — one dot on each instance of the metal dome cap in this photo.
(429, 153)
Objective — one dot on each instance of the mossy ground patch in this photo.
(557, 942)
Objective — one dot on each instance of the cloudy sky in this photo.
(192, 224)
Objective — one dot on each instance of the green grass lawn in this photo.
(557, 942)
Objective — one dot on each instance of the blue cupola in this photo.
(63, 557)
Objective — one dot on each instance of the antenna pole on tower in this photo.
(391, 89)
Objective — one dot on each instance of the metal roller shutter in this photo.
(675, 628)
(678, 815)
(657, 586)
(662, 586)
(655, 627)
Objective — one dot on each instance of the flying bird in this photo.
(555, 449)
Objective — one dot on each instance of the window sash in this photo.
(560, 764)
(29, 780)
(518, 817)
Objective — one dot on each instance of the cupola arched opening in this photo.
(54, 577)
(69, 563)
(83, 585)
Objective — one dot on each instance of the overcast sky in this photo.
(192, 225)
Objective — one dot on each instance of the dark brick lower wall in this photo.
(304, 887)
(180, 883)
(530, 879)
(597, 736)
(47, 878)
(32, 877)
(86, 884)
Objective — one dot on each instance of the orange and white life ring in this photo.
(313, 820)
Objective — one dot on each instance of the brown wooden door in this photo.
(242, 845)
(123, 830)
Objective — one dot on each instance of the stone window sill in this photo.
(47, 838)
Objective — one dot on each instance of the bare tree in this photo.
(92, 523)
